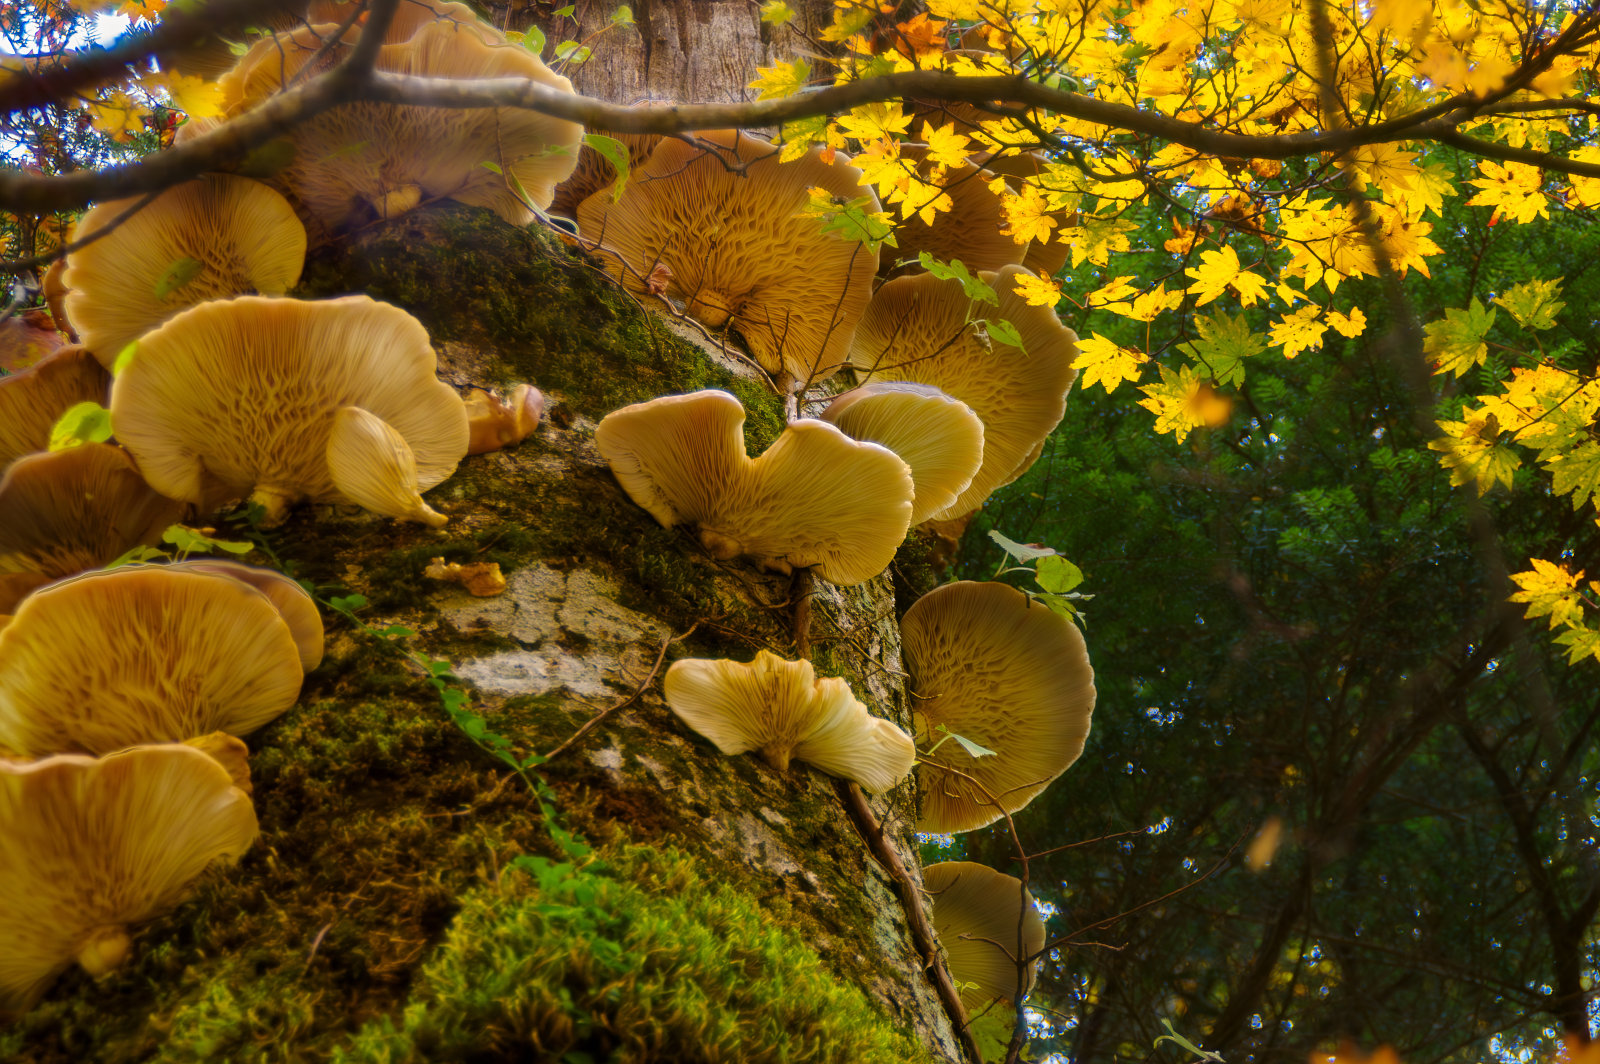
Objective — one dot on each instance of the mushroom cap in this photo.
(969, 230)
(916, 329)
(973, 903)
(297, 608)
(142, 654)
(65, 511)
(89, 847)
(815, 497)
(940, 438)
(1045, 257)
(360, 160)
(243, 394)
(783, 710)
(31, 401)
(739, 248)
(1008, 674)
(228, 235)
(372, 465)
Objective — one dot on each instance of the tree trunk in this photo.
(700, 51)
(408, 899)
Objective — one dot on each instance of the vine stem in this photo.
(910, 895)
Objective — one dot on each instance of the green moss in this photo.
(549, 313)
(640, 958)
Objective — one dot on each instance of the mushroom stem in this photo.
(274, 503)
(777, 755)
(801, 587)
(104, 949)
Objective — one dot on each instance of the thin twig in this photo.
(590, 724)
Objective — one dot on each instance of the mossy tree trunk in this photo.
(408, 900)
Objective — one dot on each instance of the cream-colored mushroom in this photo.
(986, 923)
(923, 329)
(783, 711)
(142, 654)
(242, 397)
(814, 498)
(1007, 674)
(90, 847)
(210, 238)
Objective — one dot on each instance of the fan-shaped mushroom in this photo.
(242, 397)
(986, 922)
(1007, 674)
(782, 710)
(724, 216)
(210, 238)
(32, 401)
(89, 847)
(921, 329)
(815, 497)
(142, 654)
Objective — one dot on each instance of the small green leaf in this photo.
(396, 631)
(1225, 342)
(86, 422)
(1533, 303)
(1057, 575)
(622, 16)
(124, 357)
(188, 541)
(533, 40)
(972, 748)
(177, 275)
(491, 167)
(565, 12)
(1004, 332)
(614, 152)
(955, 270)
(347, 603)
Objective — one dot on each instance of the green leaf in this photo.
(1577, 472)
(955, 270)
(1225, 342)
(622, 16)
(1457, 343)
(124, 357)
(565, 12)
(347, 603)
(177, 275)
(86, 422)
(1002, 331)
(396, 631)
(776, 13)
(492, 167)
(1023, 552)
(614, 152)
(1057, 575)
(188, 541)
(533, 40)
(572, 52)
(1533, 303)
(972, 748)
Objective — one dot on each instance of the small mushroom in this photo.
(210, 238)
(90, 847)
(1007, 674)
(494, 422)
(985, 922)
(783, 711)
(815, 497)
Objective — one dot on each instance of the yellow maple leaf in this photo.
(1472, 451)
(1220, 270)
(946, 147)
(1297, 331)
(1181, 401)
(1027, 215)
(782, 79)
(1103, 362)
(1512, 190)
(194, 96)
(1038, 291)
(875, 121)
(1352, 324)
(1115, 290)
(1550, 590)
